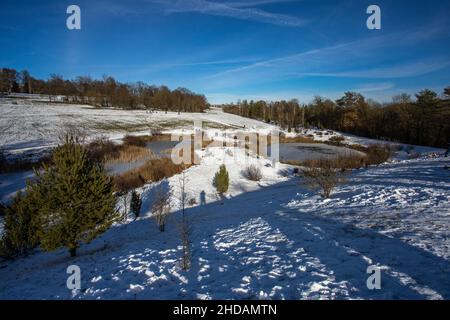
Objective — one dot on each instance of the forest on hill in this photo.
(105, 92)
(422, 120)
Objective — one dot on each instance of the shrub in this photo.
(101, 148)
(325, 178)
(151, 171)
(128, 181)
(253, 173)
(161, 207)
(378, 153)
(342, 162)
(74, 197)
(136, 203)
(221, 180)
(135, 141)
(296, 139)
(336, 140)
(20, 226)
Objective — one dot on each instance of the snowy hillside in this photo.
(268, 240)
(29, 124)
(271, 239)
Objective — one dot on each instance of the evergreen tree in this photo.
(19, 234)
(75, 199)
(222, 180)
(136, 203)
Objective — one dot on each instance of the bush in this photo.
(326, 179)
(151, 171)
(136, 203)
(161, 207)
(101, 148)
(377, 154)
(134, 141)
(253, 173)
(221, 180)
(336, 140)
(74, 198)
(192, 202)
(342, 162)
(20, 227)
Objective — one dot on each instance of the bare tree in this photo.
(325, 178)
(184, 227)
(161, 207)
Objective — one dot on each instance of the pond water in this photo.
(288, 152)
(160, 149)
(311, 151)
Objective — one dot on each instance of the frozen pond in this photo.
(288, 152)
(312, 151)
(160, 149)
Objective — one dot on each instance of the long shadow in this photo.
(225, 267)
(343, 248)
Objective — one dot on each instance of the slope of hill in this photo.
(267, 240)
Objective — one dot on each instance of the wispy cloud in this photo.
(374, 87)
(238, 10)
(343, 60)
(404, 70)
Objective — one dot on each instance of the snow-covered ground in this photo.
(33, 125)
(271, 239)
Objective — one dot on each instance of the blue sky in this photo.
(237, 49)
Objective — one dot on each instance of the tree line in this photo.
(422, 120)
(105, 92)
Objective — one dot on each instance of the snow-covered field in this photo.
(33, 125)
(268, 240)
(272, 239)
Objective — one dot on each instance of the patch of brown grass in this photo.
(343, 162)
(101, 148)
(378, 153)
(374, 154)
(336, 141)
(128, 153)
(104, 150)
(297, 139)
(137, 141)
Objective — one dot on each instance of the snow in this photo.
(271, 239)
(31, 125)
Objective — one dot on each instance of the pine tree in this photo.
(136, 203)
(222, 180)
(19, 232)
(75, 199)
